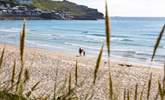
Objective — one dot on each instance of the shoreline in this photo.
(37, 18)
(89, 57)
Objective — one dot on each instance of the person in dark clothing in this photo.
(83, 52)
(80, 51)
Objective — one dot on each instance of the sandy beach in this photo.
(52, 67)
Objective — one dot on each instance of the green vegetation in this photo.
(66, 6)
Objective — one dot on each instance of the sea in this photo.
(132, 38)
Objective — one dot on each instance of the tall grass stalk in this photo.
(70, 83)
(98, 62)
(164, 81)
(32, 89)
(22, 41)
(160, 90)
(107, 24)
(136, 92)
(76, 73)
(124, 94)
(110, 87)
(128, 95)
(26, 75)
(19, 87)
(149, 87)
(13, 75)
(108, 36)
(2, 56)
(158, 42)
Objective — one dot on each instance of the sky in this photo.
(135, 8)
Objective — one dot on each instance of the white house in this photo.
(25, 1)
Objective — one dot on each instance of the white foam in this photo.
(83, 46)
(10, 30)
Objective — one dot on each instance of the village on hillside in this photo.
(9, 10)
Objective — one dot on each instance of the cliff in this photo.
(76, 11)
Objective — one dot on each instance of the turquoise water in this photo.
(132, 38)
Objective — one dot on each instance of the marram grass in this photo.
(124, 94)
(128, 95)
(98, 62)
(157, 42)
(13, 75)
(20, 85)
(32, 89)
(136, 92)
(108, 36)
(110, 87)
(149, 87)
(26, 75)
(22, 40)
(107, 24)
(160, 90)
(1, 58)
(76, 73)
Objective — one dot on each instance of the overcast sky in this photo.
(145, 8)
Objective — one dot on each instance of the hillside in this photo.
(75, 10)
(47, 9)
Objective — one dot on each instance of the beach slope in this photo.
(55, 67)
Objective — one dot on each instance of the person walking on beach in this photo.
(83, 52)
(80, 51)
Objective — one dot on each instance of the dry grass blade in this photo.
(22, 45)
(158, 42)
(98, 64)
(2, 55)
(32, 89)
(160, 90)
(164, 80)
(107, 24)
(70, 83)
(26, 75)
(149, 87)
(128, 95)
(124, 95)
(141, 95)
(110, 87)
(76, 73)
(136, 92)
(13, 75)
(22, 41)
(70, 94)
